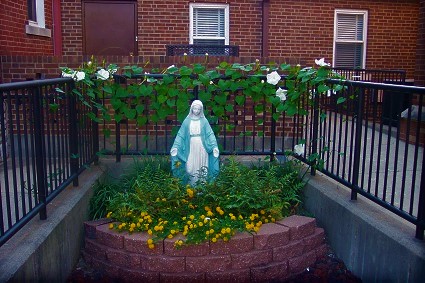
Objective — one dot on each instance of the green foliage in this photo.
(170, 91)
(241, 198)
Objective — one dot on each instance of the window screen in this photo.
(349, 39)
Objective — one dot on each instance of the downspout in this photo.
(57, 28)
(265, 29)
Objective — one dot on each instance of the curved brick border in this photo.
(277, 251)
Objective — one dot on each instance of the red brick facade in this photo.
(13, 38)
(298, 32)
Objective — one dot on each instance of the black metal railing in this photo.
(202, 49)
(381, 161)
(360, 149)
(371, 75)
(46, 141)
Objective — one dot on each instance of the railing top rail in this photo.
(371, 70)
(33, 83)
(383, 86)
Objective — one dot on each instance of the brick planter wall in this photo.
(277, 251)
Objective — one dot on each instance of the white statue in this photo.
(195, 146)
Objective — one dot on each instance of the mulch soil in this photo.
(326, 269)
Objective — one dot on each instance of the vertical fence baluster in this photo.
(315, 137)
(39, 151)
(357, 144)
(73, 136)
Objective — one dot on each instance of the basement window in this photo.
(36, 21)
(350, 33)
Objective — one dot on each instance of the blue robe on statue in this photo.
(182, 143)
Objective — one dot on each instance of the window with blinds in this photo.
(350, 39)
(209, 24)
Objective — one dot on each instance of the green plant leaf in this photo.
(341, 100)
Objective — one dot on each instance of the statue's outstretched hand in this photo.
(216, 152)
(173, 152)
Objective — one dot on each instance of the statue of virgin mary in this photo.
(195, 146)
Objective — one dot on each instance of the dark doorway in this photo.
(110, 27)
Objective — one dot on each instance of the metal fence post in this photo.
(39, 151)
(95, 135)
(420, 226)
(73, 135)
(357, 144)
(273, 136)
(314, 143)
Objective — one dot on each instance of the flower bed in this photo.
(276, 252)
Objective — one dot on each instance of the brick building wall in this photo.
(298, 32)
(420, 55)
(13, 38)
(304, 29)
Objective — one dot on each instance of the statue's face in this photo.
(196, 110)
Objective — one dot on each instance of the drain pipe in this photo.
(57, 28)
(265, 30)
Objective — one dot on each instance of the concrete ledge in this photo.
(374, 244)
(48, 250)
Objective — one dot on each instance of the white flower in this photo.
(321, 62)
(89, 63)
(79, 76)
(185, 54)
(211, 82)
(67, 75)
(257, 60)
(273, 78)
(206, 54)
(172, 66)
(102, 74)
(281, 93)
(262, 81)
(299, 149)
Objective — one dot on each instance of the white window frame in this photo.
(363, 13)
(209, 6)
(38, 27)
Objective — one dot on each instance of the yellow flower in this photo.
(207, 208)
(150, 232)
(170, 236)
(150, 241)
(210, 213)
(192, 217)
(130, 230)
(111, 226)
(211, 231)
(132, 225)
(262, 211)
(214, 240)
(151, 246)
(228, 230)
(109, 214)
(200, 224)
(207, 232)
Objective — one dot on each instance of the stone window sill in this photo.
(35, 30)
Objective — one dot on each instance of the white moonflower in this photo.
(79, 76)
(321, 62)
(273, 78)
(299, 149)
(281, 93)
(102, 74)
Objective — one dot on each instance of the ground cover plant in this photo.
(242, 198)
